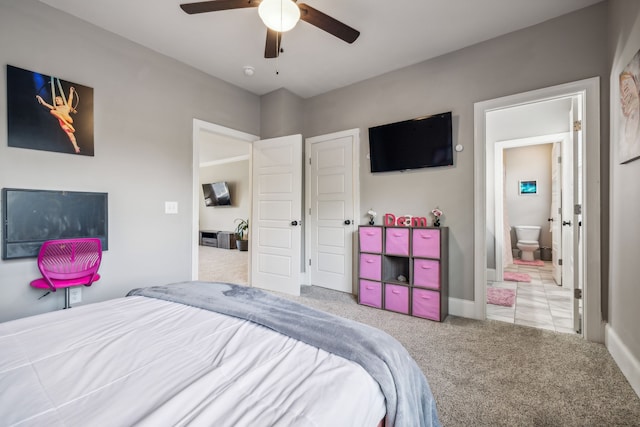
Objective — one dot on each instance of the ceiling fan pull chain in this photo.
(278, 44)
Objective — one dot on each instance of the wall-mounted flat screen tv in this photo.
(216, 194)
(412, 144)
(30, 217)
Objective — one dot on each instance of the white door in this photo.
(331, 209)
(276, 214)
(555, 219)
(576, 211)
(566, 209)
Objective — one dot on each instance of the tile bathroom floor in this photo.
(540, 303)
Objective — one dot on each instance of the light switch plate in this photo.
(171, 207)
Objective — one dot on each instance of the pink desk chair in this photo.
(68, 262)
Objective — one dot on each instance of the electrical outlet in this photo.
(75, 295)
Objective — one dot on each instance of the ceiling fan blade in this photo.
(272, 46)
(216, 5)
(327, 23)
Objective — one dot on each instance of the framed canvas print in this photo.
(48, 113)
(629, 136)
(527, 187)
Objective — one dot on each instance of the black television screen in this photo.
(216, 194)
(412, 144)
(30, 217)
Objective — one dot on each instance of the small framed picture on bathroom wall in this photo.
(527, 187)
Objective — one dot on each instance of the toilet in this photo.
(527, 236)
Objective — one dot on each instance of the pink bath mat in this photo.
(500, 296)
(516, 277)
(535, 263)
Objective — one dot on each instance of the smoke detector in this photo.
(248, 70)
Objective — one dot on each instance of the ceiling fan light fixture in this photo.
(279, 15)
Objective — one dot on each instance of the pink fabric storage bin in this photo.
(426, 273)
(426, 304)
(371, 266)
(426, 242)
(397, 241)
(370, 293)
(371, 239)
(396, 298)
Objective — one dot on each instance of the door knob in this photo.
(347, 222)
(550, 219)
(566, 222)
(294, 222)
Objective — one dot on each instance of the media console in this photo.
(218, 239)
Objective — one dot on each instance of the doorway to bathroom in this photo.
(566, 116)
(533, 186)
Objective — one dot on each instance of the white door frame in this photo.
(500, 146)
(593, 329)
(355, 135)
(198, 126)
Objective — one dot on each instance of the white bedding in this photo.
(143, 361)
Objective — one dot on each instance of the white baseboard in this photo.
(627, 362)
(491, 274)
(462, 308)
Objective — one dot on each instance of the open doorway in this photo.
(220, 155)
(530, 179)
(585, 218)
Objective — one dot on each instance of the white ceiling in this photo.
(394, 34)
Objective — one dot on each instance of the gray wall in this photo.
(222, 218)
(529, 163)
(280, 114)
(569, 48)
(143, 147)
(624, 291)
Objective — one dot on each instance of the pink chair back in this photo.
(69, 262)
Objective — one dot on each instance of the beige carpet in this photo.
(484, 373)
(223, 265)
(490, 373)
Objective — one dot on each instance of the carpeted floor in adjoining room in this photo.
(487, 373)
(223, 265)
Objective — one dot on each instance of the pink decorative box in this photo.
(371, 239)
(396, 298)
(397, 241)
(371, 266)
(371, 293)
(426, 304)
(426, 273)
(426, 242)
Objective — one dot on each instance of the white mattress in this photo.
(149, 362)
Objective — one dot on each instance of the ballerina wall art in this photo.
(49, 113)
(629, 137)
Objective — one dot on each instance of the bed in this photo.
(201, 353)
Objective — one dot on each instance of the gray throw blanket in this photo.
(408, 398)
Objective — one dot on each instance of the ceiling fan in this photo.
(279, 11)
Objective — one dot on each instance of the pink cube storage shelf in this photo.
(396, 241)
(426, 242)
(370, 266)
(396, 298)
(426, 273)
(426, 304)
(405, 269)
(371, 239)
(370, 293)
